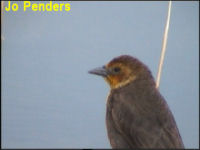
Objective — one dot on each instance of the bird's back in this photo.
(140, 118)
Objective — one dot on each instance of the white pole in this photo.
(164, 44)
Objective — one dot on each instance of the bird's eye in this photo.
(116, 69)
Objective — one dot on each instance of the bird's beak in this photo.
(101, 71)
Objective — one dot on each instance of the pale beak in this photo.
(101, 71)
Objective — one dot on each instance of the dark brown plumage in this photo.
(137, 116)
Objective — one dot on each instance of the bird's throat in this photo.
(116, 82)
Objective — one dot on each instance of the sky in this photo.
(48, 98)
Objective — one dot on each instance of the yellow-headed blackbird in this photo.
(137, 116)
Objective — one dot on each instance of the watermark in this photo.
(32, 5)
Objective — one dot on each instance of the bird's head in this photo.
(121, 71)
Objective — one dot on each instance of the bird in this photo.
(137, 115)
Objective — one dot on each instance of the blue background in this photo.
(48, 98)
